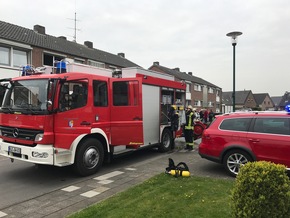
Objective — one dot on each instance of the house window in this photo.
(4, 56)
(197, 87)
(96, 64)
(19, 58)
(79, 61)
(112, 67)
(50, 59)
(210, 104)
(210, 90)
(197, 103)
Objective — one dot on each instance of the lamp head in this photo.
(234, 35)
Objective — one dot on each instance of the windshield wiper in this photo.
(28, 109)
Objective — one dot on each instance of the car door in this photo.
(270, 139)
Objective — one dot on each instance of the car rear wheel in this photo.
(234, 159)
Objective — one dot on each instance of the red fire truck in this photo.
(82, 119)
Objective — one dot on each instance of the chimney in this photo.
(177, 69)
(156, 63)
(88, 44)
(121, 55)
(190, 73)
(39, 29)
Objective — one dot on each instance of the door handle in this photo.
(137, 118)
(85, 123)
(254, 140)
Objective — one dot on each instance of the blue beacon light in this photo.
(287, 108)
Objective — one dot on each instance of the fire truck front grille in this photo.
(19, 133)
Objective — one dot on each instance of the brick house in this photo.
(199, 93)
(285, 100)
(20, 46)
(264, 101)
(244, 100)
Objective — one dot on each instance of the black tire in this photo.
(89, 157)
(166, 141)
(234, 159)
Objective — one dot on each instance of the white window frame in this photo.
(23, 60)
(53, 54)
(96, 64)
(6, 55)
(197, 87)
(210, 90)
(15, 46)
(197, 103)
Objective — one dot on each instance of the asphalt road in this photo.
(21, 181)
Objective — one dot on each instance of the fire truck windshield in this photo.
(26, 97)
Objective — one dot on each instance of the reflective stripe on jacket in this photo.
(189, 121)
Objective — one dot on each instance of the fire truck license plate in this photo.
(14, 150)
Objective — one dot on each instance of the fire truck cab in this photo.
(82, 119)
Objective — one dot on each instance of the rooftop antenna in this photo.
(75, 27)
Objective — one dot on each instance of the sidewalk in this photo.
(61, 203)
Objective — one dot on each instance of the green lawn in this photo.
(167, 196)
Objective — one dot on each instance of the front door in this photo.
(73, 117)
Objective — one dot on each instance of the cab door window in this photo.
(73, 95)
(100, 93)
(125, 93)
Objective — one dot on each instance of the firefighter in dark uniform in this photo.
(174, 120)
(188, 128)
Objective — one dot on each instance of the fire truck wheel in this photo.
(89, 157)
(166, 141)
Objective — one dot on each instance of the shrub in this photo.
(261, 189)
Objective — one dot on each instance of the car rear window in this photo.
(236, 124)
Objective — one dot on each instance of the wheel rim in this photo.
(235, 161)
(198, 130)
(166, 141)
(91, 158)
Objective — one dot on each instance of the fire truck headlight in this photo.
(39, 154)
(38, 137)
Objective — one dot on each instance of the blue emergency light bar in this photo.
(287, 108)
(27, 70)
(61, 67)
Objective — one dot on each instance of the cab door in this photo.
(74, 116)
(126, 112)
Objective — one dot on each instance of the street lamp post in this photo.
(234, 36)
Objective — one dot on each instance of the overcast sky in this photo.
(189, 34)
